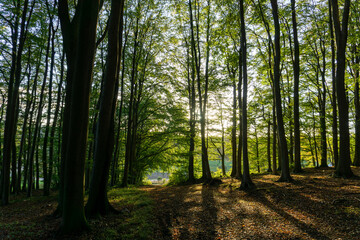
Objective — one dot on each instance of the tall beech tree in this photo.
(283, 154)
(98, 203)
(79, 36)
(195, 50)
(296, 67)
(246, 182)
(343, 168)
(333, 93)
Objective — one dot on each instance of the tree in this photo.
(343, 168)
(296, 67)
(195, 50)
(98, 203)
(79, 35)
(246, 182)
(333, 83)
(285, 172)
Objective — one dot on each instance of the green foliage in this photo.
(137, 209)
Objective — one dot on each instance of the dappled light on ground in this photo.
(315, 206)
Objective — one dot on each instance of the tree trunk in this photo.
(54, 123)
(98, 203)
(192, 106)
(233, 129)
(285, 172)
(79, 43)
(129, 136)
(47, 176)
(202, 104)
(296, 66)
(268, 147)
(239, 153)
(357, 111)
(117, 148)
(246, 182)
(322, 100)
(274, 140)
(343, 168)
(334, 100)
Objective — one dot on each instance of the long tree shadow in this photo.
(171, 209)
(311, 231)
(209, 211)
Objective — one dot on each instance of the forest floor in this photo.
(314, 206)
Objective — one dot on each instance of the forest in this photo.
(169, 119)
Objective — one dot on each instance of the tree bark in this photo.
(334, 100)
(246, 182)
(357, 109)
(285, 172)
(239, 153)
(296, 67)
(79, 36)
(343, 168)
(233, 129)
(202, 102)
(98, 203)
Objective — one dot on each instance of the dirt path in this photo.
(315, 206)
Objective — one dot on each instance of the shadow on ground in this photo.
(315, 206)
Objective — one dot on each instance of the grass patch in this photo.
(137, 218)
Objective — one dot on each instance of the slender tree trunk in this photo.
(1, 119)
(192, 106)
(334, 100)
(322, 100)
(233, 129)
(55, 121)
(269, 147)
(46, 171)
(98, 203)
(296, 66)
(285, 172)
(246, 182)
(13, 167)
(37, 163)
(357, 111)
(274, 140)
(129, 137)
(343, 168)
(239, 153)
(257, 149)
(315, 142)
(223, 148)
(202, 104)
(117, 148)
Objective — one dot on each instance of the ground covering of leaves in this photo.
(32, 218)
(315, 206)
